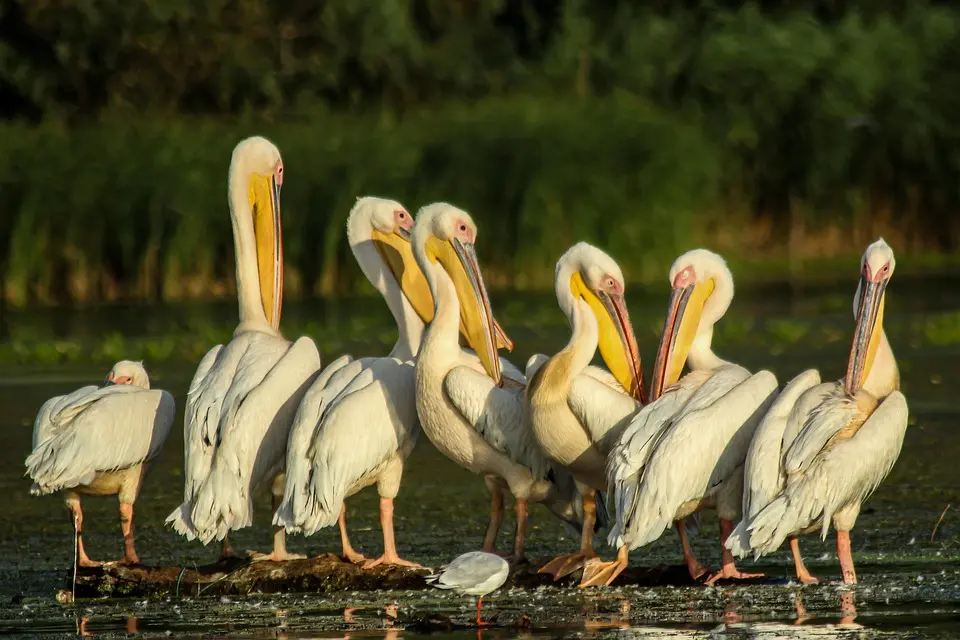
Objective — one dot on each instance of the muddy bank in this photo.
(323, 574)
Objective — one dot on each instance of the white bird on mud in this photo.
(577, 411)
(823, 449)
(474, 418)
(244, 394)
(476, 573)
(101, 441)
(684, 451)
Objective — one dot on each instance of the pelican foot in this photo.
(354, 557)
(274, 556)
(597, 573)
(730, 572)
(565, 565)
(806, 578)
(126, 561)
(391, 560)
(87, 562)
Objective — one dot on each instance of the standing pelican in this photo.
(684, 451)
(578, 411)
(358, 422)
(101, 441)
(243, 396)
(823, 449)
(475, 419)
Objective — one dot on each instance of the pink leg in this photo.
(226, 549)
(729, 569)
(390, 555)
(520, 537)
(76, 514)
(693, 565)
(846, 557)
(496, 516)
(130, 556)
(348, 551)
(279, 553)
(802, 574)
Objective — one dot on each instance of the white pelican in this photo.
(467, 414)
(823, 449)
(244, 394)
(577, 411)
(100, 441)
(684, 451)
(475, 573)
(328, 457)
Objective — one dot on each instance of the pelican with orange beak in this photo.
(684, 451)
(578, 411)
(243, 396)
(475, 414)
(823, 449)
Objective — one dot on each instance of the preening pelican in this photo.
(475, 419)
(685, 450)
(823, 449)
(100, 441)
(578, 411)
(244, 394)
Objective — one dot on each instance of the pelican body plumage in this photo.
(101, 441)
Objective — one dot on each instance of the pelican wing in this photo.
(763, 475)
(328, 385)
(254, 430)
(112, 428)
(57, 412)
(840, 477)
(362, 430)
(826, 420)
(705, 444)
(497, 415)
(629, 456)
(601, 405)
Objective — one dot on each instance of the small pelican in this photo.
(100, 441)
(684, 451)
(476, 573)
(577, 411)
(243, 396)
(823, 449)
(473, 418)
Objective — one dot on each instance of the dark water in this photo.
(910, 583)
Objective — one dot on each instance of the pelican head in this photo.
(388, 224)
(257, 167)
(443, 237)
(586, 273)
(128, 372)
(701, 292)
(876, 269)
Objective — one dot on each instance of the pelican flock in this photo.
(596, 446)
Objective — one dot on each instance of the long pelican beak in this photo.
(459, 260)
(679, 331)
(397, 252)
(866, 334)
(264, 192)
(617, 342)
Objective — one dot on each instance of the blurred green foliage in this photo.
(779, 131)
